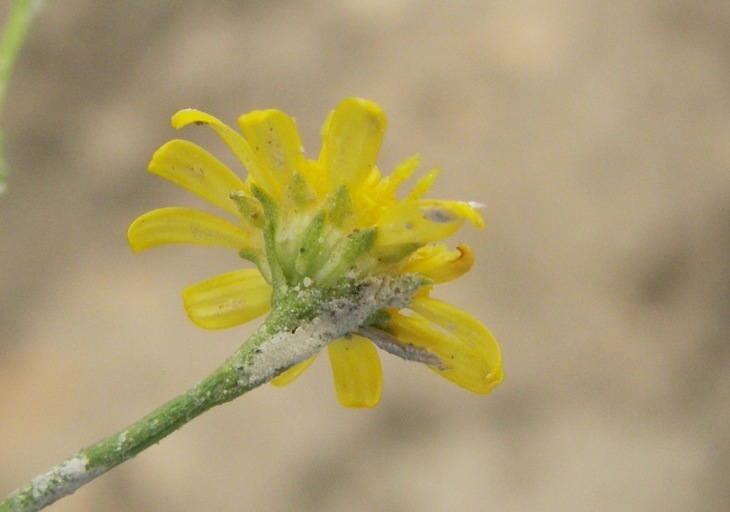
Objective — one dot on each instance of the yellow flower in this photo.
(314, 224)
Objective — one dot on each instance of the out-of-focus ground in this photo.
(596, 133)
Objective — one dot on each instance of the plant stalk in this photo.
(223, 385)
(301, 325)
(20, 16)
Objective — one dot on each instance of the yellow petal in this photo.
(439, 264)
(240, 147)
(288, 376)
(461, 325)
(409, 222)
(274, 138)
(356, 371)
(423, 185)
(228, 300)
(185, 226)
(351, 140)
(384, 192)
(196, 170)
(445, 211)
(461, 364)
(400, 174)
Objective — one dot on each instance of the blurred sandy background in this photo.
(598, 136)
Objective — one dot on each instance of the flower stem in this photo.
(20, 16)
(303, 324)
(223, 385)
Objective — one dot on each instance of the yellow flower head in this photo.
(316, 225)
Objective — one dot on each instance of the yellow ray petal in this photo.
(460, 324)
(292, 373)
(409, 222)
(274, 138)
(351, 140)
(423, 185)
(443, 211)
(196, 170)
(185, 226)
(384, 191)
(228, 300)
(461, 364)
(240, 147)
(356, 371)
(401, 173)
(439, 264)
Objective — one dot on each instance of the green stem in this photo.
(20, 16)
(302, 325)
(223, 385)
